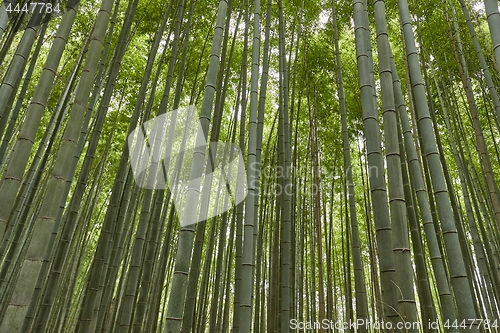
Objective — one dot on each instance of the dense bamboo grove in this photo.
(367, 198)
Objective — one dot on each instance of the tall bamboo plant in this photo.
(45, 222)
(184, 247)
(375, 162)
(461, 288)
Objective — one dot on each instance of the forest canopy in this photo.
(249, 166)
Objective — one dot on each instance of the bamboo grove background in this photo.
(374, 125)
